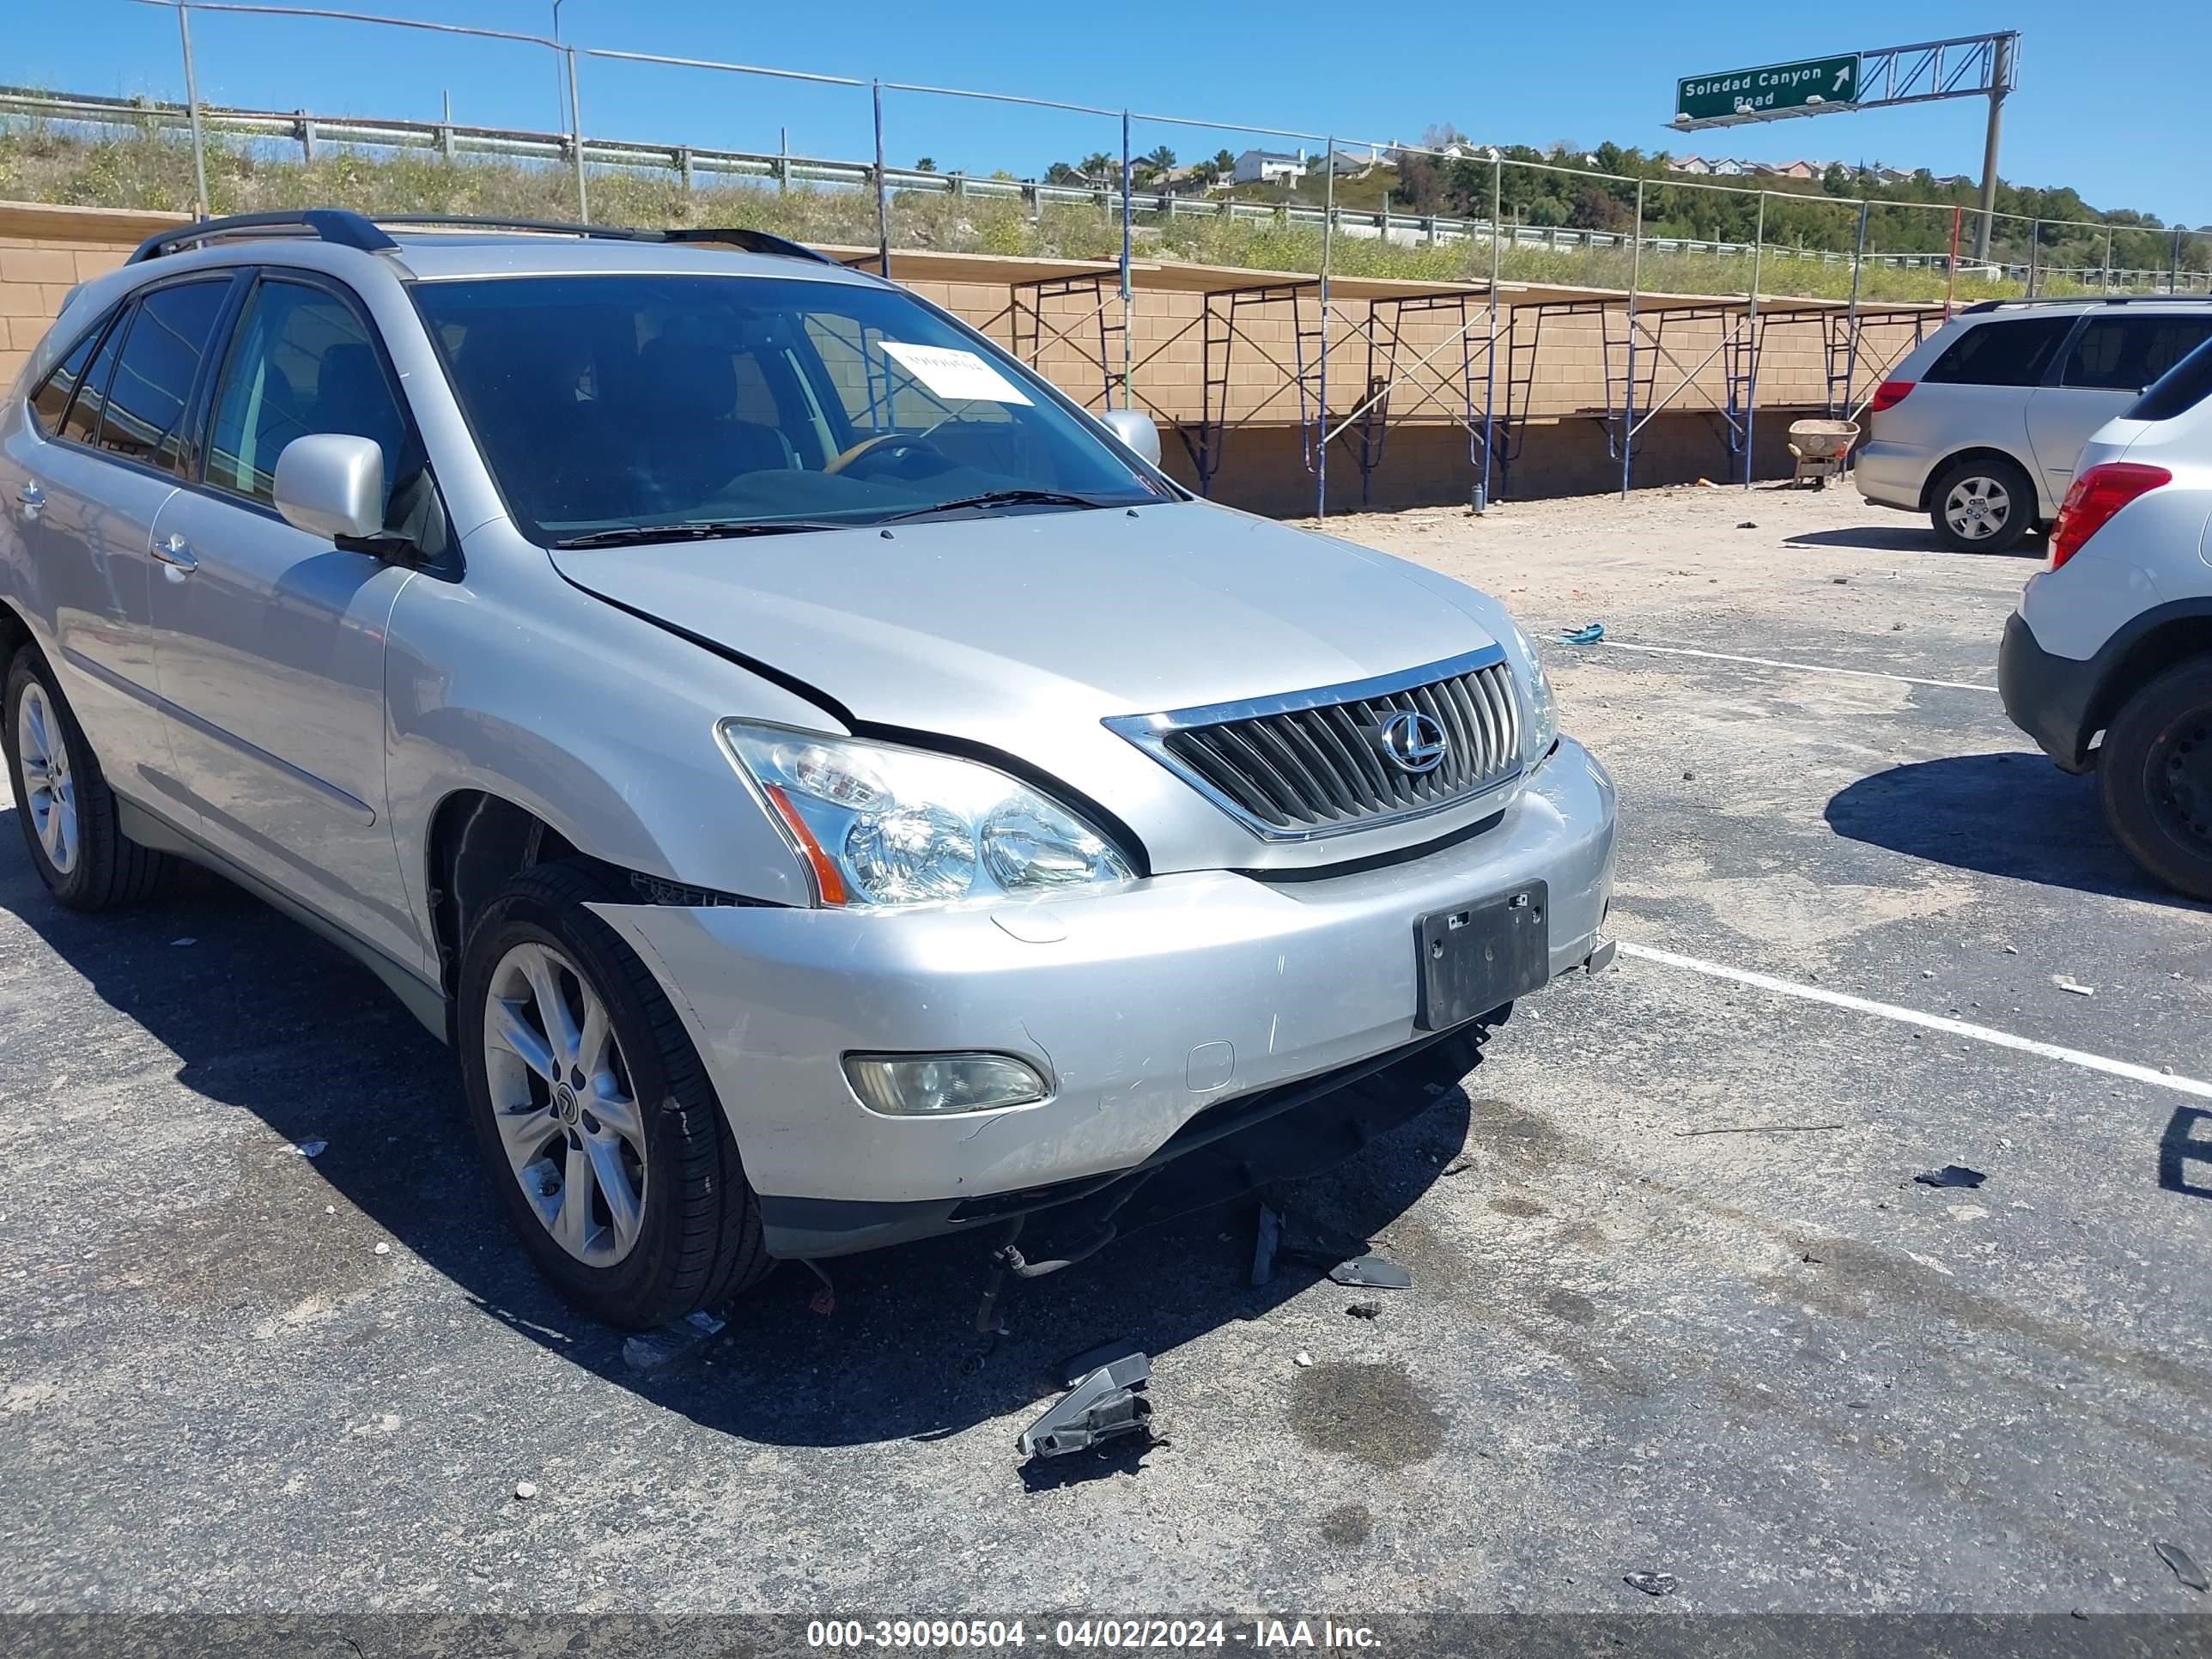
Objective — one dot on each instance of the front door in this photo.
(269, 641)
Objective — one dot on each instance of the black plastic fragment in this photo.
(1107, 1402)
(1266, 1238)
(1373, 1272)
(1304, 1239)
(1951, 1175)
(1074, 1369)
(2184, 1565)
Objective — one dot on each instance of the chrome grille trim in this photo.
(1305, 765)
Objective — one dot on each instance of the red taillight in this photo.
(2096, 495)
(1889, 394)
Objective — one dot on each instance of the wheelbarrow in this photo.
(1820, 448)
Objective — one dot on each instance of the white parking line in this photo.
(2128, 1069)
(1801, 667)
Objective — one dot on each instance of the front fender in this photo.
(603, 724)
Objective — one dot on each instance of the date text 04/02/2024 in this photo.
(1109, 1634)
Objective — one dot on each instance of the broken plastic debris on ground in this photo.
(651, 1349)
(2184, 1565)
(1106, 1399)
(1951, 1175)
(1347, 1259)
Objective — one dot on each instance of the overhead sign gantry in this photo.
(1971, 66)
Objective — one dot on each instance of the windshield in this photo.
(611, 406)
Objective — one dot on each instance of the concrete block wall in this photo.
(1263, 467)
(45, 251)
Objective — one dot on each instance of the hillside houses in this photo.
(1728, 167)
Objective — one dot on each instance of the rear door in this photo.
(2111, 358)
(101, 455)
(269, 641)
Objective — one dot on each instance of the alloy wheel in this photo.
(1978, 508)
(49, 786)
(564, 1105)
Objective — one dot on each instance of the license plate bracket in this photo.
(1474, 957)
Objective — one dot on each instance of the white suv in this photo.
(1980, 425)
(2115, 637)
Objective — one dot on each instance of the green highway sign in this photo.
(1758, 95)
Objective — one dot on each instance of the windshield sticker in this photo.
(955, 374)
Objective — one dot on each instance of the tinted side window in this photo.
(2126, 353)
(300, 361)
(2096, 358)
(83, 419)
(153, 378)
(2166, 342)
(53, 395)
(2012, 352)
(2185, 386)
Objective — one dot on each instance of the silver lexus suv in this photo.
(829, 788)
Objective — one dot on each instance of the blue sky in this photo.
(2108, 100)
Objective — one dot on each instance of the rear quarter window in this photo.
(2129, 352)
(50, 399)
(2010, 352)
(2179, 390)
(81, 419)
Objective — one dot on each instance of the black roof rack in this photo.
(1981, 306)
(330, 224)
(356, 230)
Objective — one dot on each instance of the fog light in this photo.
(937, 1086)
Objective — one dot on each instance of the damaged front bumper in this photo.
(1154, 1010)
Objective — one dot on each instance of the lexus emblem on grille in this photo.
(1413, 742)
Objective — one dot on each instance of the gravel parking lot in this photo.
(1679, 1306)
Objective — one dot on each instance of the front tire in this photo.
(63, 802)
(1982, 505)
(2154, 777)
(597, 1126)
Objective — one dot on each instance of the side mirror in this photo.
(331, 483)
(1136, 431)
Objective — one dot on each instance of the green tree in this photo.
(1157, 164)
(925, 165)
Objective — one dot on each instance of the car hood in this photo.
(1020, 632)
(964, 626)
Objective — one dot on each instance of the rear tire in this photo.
(62, 803)
(2154, 777)
(1982, 505)
(598, 1128)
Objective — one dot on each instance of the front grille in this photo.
(1314, 764)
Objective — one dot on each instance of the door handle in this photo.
(177, 553)
(32, 497)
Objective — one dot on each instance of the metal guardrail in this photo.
(693, 163)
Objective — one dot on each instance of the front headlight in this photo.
(1542, 729)
(881, 826)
